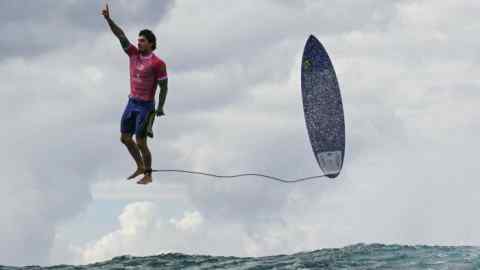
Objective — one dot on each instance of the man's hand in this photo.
(159, 112)
(106, 12)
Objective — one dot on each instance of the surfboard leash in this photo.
(240, 175)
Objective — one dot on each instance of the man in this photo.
(146, 71)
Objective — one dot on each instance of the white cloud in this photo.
(136, 222)
(189, 222)
(143, 230)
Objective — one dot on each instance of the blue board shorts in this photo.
(138, 117)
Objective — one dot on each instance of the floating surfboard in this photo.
(323, 108)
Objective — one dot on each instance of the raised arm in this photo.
(117, 31)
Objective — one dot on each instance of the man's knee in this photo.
(142, 143)
(126, 139)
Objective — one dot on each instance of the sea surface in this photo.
(359, 256)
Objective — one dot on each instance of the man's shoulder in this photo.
(158, 61)
(131, 50)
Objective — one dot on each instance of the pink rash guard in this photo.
(145, 72)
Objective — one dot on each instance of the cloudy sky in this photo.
(408, 70)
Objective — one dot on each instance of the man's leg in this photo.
(134, 152)
(147, 159)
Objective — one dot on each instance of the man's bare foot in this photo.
(138, 172)
(147, 178)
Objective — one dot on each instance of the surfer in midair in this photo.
(146, 72)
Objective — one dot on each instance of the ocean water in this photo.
(360, 256)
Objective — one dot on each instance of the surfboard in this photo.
(323, 108)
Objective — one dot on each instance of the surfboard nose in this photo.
(312, 38)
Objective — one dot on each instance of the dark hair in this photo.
(150, 36)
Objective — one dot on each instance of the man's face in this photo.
(144, 45)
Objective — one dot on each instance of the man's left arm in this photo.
(163, 83)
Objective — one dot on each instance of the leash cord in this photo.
(242, 175)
